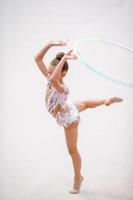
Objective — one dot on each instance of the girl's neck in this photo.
(61, 80)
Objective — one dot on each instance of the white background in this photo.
(34, 162)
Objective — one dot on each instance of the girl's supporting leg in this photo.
(71, 135)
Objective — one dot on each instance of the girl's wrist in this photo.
(64, 58)
(49, 44)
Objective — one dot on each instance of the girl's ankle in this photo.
(78, 178)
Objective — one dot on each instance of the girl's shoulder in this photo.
(50, 85)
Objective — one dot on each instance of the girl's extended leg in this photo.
(71, 135)
(82, 105)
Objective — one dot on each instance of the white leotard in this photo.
(60, 106)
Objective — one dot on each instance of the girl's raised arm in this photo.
(55, 75)
(39, 56)
(39, 59)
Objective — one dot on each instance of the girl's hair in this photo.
(57, 59)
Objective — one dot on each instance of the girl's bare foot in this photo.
(76, 186)
(112, 100)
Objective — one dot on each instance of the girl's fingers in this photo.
(59, 43)
(68, 53)
(71, 57)
(74, 56)
(63, 42)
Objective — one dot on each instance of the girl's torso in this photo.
(55, 101)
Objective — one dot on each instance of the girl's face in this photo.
(51, 69)
(63, 73)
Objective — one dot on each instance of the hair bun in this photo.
(60, 55)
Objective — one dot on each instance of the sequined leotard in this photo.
(60, 106)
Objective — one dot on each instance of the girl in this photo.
(61, 107)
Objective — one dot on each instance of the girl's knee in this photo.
(81, 105)
(72, 150)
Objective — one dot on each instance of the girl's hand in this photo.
(70, 55)
(58, 42)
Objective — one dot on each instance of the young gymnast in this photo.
(61, 107)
